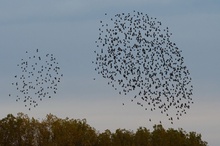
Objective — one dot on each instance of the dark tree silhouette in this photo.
(21, 130)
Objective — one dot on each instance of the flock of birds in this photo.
(135, 54)
(39, 78)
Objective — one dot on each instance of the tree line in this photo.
(21, 130)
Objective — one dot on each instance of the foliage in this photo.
(54, 131)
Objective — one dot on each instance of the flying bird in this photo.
(135, 54)
(34, 82)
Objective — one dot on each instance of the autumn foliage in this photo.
(53, 131)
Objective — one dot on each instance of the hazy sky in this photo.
(69, 28)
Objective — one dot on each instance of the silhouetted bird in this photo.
(135, 54)
(35, 77)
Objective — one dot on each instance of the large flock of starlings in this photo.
(136, 56)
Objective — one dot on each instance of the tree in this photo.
(176, 137)
(54, 131)
(122, 137)
(142, 137)
(105, 138)
(158, 136)
(194, 139)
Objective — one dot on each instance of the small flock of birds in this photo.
(135, 54)
(39, 78)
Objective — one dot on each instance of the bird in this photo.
(34, 77)
(135, 53)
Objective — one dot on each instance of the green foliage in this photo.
(54, 131)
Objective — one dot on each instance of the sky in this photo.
(69, 28)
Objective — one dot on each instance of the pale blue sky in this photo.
(68, 29)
